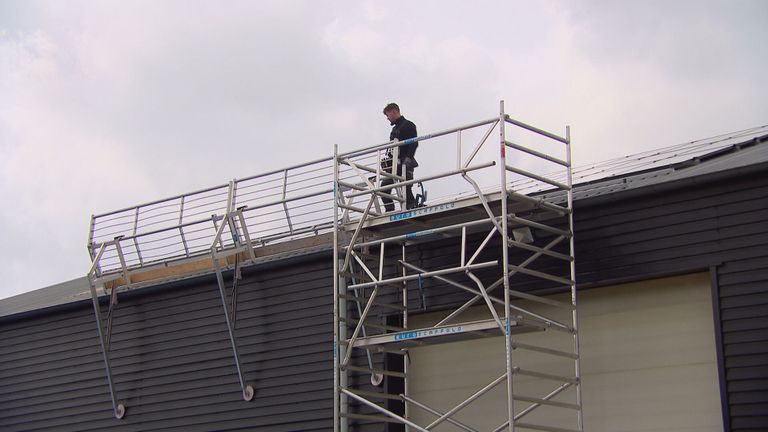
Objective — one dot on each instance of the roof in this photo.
(719, 154)
(665, 165)
(71, 291)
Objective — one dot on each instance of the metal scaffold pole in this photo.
(574, 314)
(505, 267)
(336, 254)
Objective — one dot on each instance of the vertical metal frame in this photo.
(575, 313)
(247, 389)
(118, 409)
(336, 344)
(505, 268)
(217, 253)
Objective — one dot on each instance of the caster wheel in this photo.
(377, 379)
(248, 393)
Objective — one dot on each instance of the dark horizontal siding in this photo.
(172, 360)
(173, 364)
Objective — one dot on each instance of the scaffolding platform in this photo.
(442, 334)
(425, 223)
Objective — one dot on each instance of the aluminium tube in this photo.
(467, 401)
(436, 413)
(384, 411)
(390, 144)
(247, 390)
(426, 274)
(336, 286)
(417, 234)
(162, 200)
(535, 130)
(117, 409)
(421, 179)
(505, 265)
(575, 315)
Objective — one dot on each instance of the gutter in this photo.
(663, 187)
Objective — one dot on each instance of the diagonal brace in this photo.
(248, 391)
(468, 401)
(117, 408)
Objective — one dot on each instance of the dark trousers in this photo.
(410, 200)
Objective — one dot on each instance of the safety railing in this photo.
(277, 206)
(280, 205)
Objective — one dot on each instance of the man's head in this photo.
(392, 111)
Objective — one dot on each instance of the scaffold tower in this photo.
(513, 267)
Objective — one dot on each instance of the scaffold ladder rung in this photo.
(542, 427)
(369, 417)
(375, 303)
(532, 248)
(540, 299)
(536, 153)
(548, 376)
(376, 371)
(549, 402)
(373, 325)
(376, 395)
(542, 275)
(540, 226)
(544, 350)
(537, 203)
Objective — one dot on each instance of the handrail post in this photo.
(181, 229)
(231, 196)
(285, 204)
(505, 265)
(136, 240)
(89, 245)
(337, 409)
(575, 315)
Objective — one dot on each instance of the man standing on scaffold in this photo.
(402, 129)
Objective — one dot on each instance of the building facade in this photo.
(672, 270)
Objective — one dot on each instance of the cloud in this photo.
(54, 168)
(648, 74)
(109, 104)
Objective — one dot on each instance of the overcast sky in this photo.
(107, 104)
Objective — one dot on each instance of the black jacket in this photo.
(402, 130)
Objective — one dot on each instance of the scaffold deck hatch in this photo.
(520, 217)
(368, 295)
